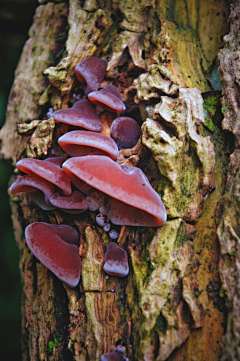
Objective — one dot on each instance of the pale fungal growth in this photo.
(107, 227)
(113, 234)
(92, 204)
(102, 219)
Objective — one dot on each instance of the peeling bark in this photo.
(170, 306)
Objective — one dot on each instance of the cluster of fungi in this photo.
(89, 178)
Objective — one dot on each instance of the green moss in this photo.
(54, 343)
(225, 108)
(210, 106)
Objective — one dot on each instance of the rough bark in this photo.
(228, 230)
(171, 306)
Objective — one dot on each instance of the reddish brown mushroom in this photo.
(38, 189)
(56, 160)
(124, 192)
(55, 247)
(46, 170)
(75, 203)
(108, 98)
(125, 131)
(82, 142)
(81, 114)
(116, 261)
(116, 355)
(90, 72)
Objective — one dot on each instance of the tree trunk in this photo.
(162, 57)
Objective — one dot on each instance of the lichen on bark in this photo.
(177, 147)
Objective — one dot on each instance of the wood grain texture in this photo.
(170, 305)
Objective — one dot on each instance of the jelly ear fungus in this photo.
(124, 192)
(108, 98)
(116, 261)
(55, 246)
(82, 114)
(90, 73)
(125, 131)
(81, 142)
(47, 170)
(38, 189)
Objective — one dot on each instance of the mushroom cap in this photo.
(46, 170)
(91, 72)
(56, 160)
(82, 142)
(116, 355)
(55, 247)
(75, 203)
(124, 192)
(116, 261)
(125, 131)
(39, 189)
(108, 98)
(81, 114)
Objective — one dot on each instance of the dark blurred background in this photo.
(15, 19)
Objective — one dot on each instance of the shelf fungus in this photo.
(82, 114)
(90, 72)
(126, 132)
(47, 170)
(108, 98)
(81, 142)
(124, 192)
(55, 246)
(116, 261)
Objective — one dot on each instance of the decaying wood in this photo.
(229, 229)
(171, 306)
